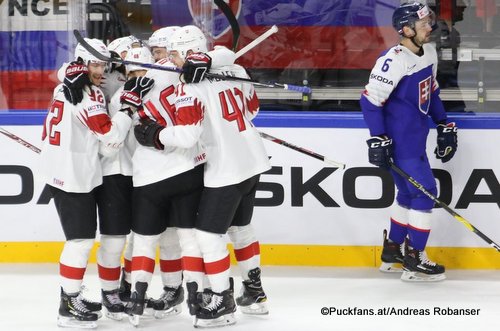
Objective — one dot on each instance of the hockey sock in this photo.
(213, 247)
(399, 221)
(170, 258)
(143, 260)
(192, 261)
(73, 263)
(108, 261)
(246, 248)
(127, 257)
(419, 228)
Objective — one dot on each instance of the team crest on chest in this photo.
(424, 94)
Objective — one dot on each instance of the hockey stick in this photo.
(302, 150)
(233, 22)
(257, 41)
(104, 58)
(19, 140)
(445, 207)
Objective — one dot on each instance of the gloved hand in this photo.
(76, 78)
(134, 91)
(147, 133)
(196, 67)
(380, 151)
(447, 141)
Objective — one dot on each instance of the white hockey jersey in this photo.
(218, 113)
(152, 165)
(118, 159)
(69, 158)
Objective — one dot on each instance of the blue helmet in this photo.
(408, 13)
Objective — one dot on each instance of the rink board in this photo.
(307, 212)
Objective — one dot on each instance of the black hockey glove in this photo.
(147, 133)
(196, 67)
(76, 78)
(447, 141)
(135, 89)
(380, 151)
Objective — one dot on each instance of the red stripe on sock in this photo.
(190, 263)
(400, 224)
(248, 252)
(418, 229)
(108, 273)
(71, 272)
(170, 265)
(127, 265)
(143, 263)
(217, 267)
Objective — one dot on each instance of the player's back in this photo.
(235, 151)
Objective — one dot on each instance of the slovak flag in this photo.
(424, 94)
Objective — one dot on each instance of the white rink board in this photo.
(311, 223)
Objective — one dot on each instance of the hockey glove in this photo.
(135, 89)
(380, 151)
(147, 133)
(76, 78)
(196, 67)
(447, 141)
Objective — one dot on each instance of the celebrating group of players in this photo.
(173, 160)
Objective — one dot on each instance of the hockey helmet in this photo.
(86, 56)
(141, 54)
(123, 44)
(188, 38)
(408, 13)
(160, 37)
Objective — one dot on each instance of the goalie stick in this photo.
(20, 140)
(81, 40)
(302, 150)
(257, 41)
(453, 213)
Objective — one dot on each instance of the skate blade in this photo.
(390, 267)
(255, 309)
(413, 276)
(135, 320)
(113, 316)
(215, 323)
(172, 311)
(70, 322)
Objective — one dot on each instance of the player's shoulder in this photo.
(395, 53)
(430, 50)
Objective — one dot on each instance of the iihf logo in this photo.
(424, 94)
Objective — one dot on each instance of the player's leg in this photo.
(252, 299)
(114, 200)
(77, 214)
(216, 212)
(416, 265)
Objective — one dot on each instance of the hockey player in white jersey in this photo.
(114, 200)
(218, 114)
(401, 95)
(115, 75)
(69, 164)
(158, 42)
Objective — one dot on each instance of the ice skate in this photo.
(169, 303)
(125, 288)
(93, 306)
(219, 311)
(392, 256)
(113, 306)
(253, 299)
(135, 307)
(418, 268)
(73, 313)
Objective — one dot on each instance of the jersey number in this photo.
(169, 108)
(55, 113)
(235, 113)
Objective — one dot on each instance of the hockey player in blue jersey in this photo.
(401, 94)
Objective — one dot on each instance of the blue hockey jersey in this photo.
(401, 93)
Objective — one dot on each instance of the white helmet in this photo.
(160, 37)
(187, 38)
(141, 54)
(86, 56)
(122, 44)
